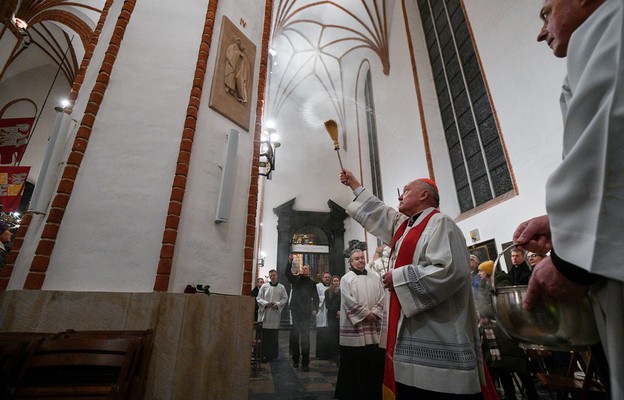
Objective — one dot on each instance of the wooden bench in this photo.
(15, 349)
(78, 367)
(76, 364)
(140, 364)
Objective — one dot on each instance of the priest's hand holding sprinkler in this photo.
(348, 179)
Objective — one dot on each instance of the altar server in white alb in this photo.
(585, 194)
(271, 301)
(323, 352)
(360, 374)
(430, 333)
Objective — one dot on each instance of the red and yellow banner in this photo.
(14, 137)
(12, 181)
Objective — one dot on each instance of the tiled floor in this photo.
(278, 380)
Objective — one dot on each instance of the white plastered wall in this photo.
(210, 253)
(111, 234)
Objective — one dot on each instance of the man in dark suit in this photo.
(304, 303)
(254, 294)
(519, 273)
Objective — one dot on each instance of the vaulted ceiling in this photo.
(312, 41)
(315, 45)
(52, 32)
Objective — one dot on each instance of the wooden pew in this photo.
(140, 364)
(78, 367)
(15, 348)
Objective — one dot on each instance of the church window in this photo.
(373, 147)
(478, 161)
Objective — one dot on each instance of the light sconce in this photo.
(268, 146)
(272, 58)
(22, 27)
(19, 23)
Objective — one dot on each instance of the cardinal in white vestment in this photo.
(430, 325)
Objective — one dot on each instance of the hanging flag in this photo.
(12, 182)
(14, 137)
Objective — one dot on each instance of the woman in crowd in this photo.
(534, 258)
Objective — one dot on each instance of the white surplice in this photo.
(270, 317)
(321, 315)
(438, 345)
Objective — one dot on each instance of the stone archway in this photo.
(290, 221)
(330, 223)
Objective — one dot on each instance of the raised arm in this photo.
(289, 274)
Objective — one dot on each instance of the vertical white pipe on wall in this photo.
(227, 179)
(47, 176)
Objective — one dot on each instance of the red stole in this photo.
(405, 257)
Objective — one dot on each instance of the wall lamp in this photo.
(22, 27)
(268, 146)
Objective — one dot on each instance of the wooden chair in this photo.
(79, 368)
(538, 359)
(580, 378)
(15, 349)
(140, 364)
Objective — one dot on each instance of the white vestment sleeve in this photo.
(376, 217)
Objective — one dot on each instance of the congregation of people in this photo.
(424, 326)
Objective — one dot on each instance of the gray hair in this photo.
(433, 192)
(353, 252)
